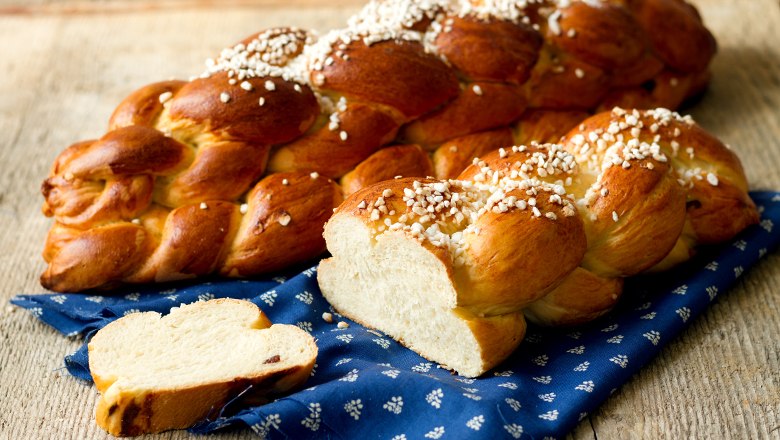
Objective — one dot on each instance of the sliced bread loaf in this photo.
(454, 289)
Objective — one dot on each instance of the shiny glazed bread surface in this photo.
(236, 171)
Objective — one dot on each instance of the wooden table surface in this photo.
(66, 64)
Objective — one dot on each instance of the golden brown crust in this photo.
(131, 414)
(637, 74)
(386, 164)
(358, 202)
(709, 174)
(565, 82)
(636, 177)
(363, 129)
(288, 114)
(111, 250)
(582, 296)
(204, 179)
(495, 50)
(637, 180)
(545, 126)
(452, 157)
(191, 243)
(283, 224)
(126, 151)
(650, 209)
(396, 74)
(606, 36)
(505, 160)
(667, 89)
(480, 106)
(110, 179)
(85, 203)
(505, 269)
(498, 336)
(676, 33)
(500, 252)
(457, 81)
(143, 106)
(717, 216)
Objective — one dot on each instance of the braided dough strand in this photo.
(408, 88)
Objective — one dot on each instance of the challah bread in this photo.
(620, 194)
(456, 78)
(158, 373)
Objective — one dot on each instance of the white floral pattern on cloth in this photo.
(353, 408)
(434, 398)
(367, 385)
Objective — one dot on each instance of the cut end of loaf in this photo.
(159, 373)
(395, 284)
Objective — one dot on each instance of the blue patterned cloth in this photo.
(366, 385)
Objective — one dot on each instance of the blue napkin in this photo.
(366, 385)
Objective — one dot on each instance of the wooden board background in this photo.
(64, 65)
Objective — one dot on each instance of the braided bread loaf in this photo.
(549, 231)
(409, 88)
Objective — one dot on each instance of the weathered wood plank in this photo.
(67, 64)
(101, 7)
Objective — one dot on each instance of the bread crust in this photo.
(407, 160)
(581, 297)
(456, 78)
(453, 156)
(400, 75)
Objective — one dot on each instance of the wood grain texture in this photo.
(67, 64)
(105, 7)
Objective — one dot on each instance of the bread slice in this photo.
(157, 373)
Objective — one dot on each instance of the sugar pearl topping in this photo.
(686, 169)
(383, 20)
(272, 53)
(634, 138)
(623, 141)
(510, 10)
(549, 162)
(299, 56)
(378, 21)
(165, 96)
(293, 54)
(443, 213)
